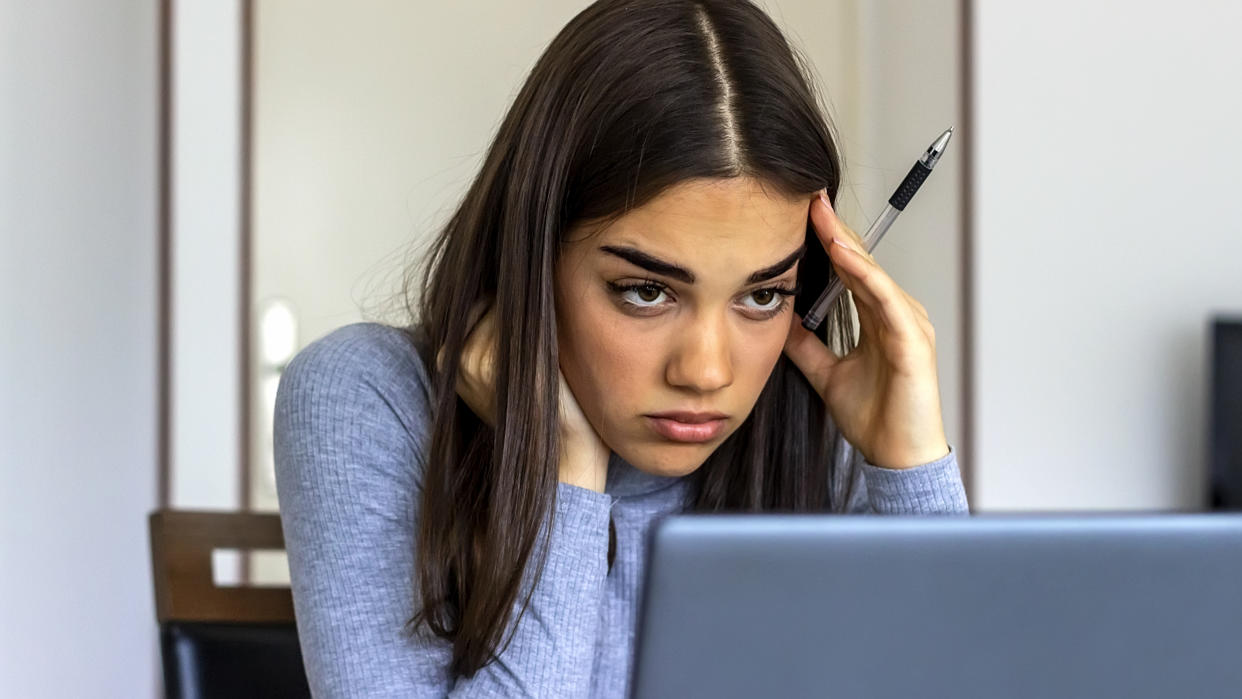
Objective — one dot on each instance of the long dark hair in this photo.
(631, 97)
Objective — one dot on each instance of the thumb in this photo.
(809, 354)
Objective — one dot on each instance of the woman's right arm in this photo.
(350, 430)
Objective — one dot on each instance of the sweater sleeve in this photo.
(860, 487)
(350, 431)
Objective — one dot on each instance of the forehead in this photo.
(713, 223)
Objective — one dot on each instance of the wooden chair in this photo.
(221, 641)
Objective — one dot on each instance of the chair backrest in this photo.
(221, 641)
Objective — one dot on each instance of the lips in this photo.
(682, 426)
(692, 418)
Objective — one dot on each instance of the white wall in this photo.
(78, 111)
(205, 254)
(1106, 233)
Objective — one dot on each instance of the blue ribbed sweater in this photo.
(351, 426)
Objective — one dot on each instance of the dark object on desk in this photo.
(1226, 405)
(234, 642)
(994, 605)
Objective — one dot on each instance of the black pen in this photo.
(896, 204)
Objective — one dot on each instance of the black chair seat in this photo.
(207, 659)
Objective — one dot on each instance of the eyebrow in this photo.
(654, 264)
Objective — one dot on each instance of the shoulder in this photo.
(364, 346)
(358, 357)
(361, 386)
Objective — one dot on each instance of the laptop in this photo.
(992, 605)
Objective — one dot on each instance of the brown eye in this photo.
(653, 292)
(640, 296)
(766, 294)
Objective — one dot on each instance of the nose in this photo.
(702, 361)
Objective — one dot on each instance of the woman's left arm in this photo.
(884, 395)
(860, 487)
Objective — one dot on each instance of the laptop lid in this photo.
(992, 605)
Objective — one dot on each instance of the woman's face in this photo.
(700, 331)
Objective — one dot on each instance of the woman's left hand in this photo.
(884, 396)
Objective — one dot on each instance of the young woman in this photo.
(606, 331)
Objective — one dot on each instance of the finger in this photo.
(812, 357)
(929, 331)
(476, 311)
(924, 322)
(824, 221)
(827, 227)
(473, 317)
(918, 306)
(917, 311)
(874, 290)
(476, 367)
(487, 354)
(881, 303)
(868, 322)
(836, 228)
(858, 276)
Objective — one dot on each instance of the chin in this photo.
(672, 460)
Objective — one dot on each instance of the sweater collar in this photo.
(625, 480)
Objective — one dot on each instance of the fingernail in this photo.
(842, 244)
(823, 196)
